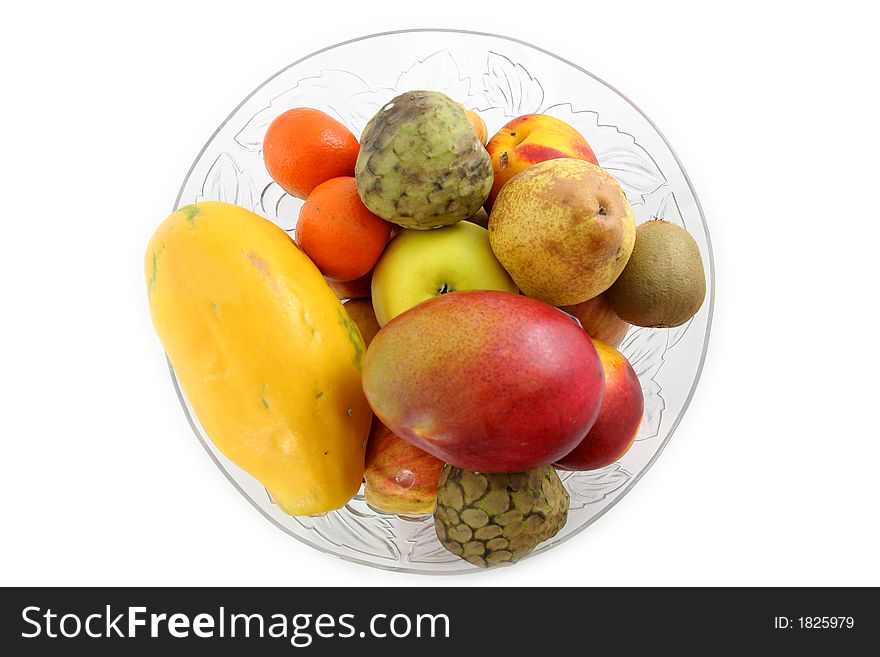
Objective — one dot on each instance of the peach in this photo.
(528, 140)
(621, 413)
(399, 477)
(599, 320)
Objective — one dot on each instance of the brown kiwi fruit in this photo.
(663, 285)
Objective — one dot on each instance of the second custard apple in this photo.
(492, 519)
(421, 165)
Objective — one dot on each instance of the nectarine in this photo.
(362, 314)
(615, 429)
(399, 477)
(599, 320)
(529, 139)
(359, 288)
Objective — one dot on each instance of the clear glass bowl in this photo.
(501, 78)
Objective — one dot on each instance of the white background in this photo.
(771, 478)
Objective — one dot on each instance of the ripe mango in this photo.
(486, 381)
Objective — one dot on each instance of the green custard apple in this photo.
(493, 519)
(421, 165)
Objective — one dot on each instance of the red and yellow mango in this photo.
(484, 380)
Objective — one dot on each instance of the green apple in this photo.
(420, 264)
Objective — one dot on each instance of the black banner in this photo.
(415, 621)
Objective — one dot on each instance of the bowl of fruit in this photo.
(433, 300)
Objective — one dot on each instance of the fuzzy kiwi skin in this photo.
(663, 285)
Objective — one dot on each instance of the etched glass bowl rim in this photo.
(711, 301)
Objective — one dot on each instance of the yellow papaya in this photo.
(264, 350)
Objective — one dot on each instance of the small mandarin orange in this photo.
(337, 231)
(304, 147)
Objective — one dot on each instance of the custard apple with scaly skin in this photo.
(421, 165)
(491, 519)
